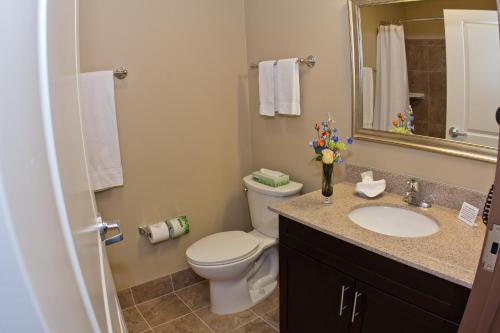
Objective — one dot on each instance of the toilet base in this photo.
(228, 297)
(231, 296)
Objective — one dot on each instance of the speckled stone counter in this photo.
(452, 253)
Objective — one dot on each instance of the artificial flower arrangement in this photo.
(328, 148)
(404, 123)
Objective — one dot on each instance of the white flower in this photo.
(327, 156)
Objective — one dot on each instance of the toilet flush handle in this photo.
(245, 189)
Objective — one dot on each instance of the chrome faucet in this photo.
(414, 197)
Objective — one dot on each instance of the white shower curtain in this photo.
(391, 96)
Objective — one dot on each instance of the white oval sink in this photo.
(394, 221)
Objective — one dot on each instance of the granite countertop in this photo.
(452, 253)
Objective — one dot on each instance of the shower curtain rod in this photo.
(412, 20)
(421, 19)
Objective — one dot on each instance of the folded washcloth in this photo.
(271, 178)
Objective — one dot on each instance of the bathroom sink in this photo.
(394, 221)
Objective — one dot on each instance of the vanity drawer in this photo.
(436, 295)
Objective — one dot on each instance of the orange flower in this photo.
(400, 115)
(321, 142)
(395, 123)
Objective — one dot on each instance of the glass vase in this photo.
(326, 184)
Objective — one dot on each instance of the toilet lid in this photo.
(222, 248)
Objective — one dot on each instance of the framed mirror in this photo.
(426, 74)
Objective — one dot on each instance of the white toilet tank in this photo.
(260, 196)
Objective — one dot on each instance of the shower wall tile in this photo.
(437, 84)
(437, 58)
(418, 81)
(417, 57)
(436, 107)
(426, 60)
(437, 130)
(420, 109)
(421, 128)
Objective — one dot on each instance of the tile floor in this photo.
(182, 309)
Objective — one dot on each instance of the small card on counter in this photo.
(468, 214)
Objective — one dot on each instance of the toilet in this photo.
(242, 267)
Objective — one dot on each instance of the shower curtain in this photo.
(391, 96)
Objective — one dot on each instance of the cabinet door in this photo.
(377, 312)
(312, 295)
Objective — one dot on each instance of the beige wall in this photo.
(286, 28)
(182, 118)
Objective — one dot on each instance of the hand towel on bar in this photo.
(100, 132)
(267, 88)
(368, 97)
(287, 80)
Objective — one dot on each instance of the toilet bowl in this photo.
(241, 271)
(242, 268)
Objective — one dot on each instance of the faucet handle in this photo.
(428, 202)
(414, 185)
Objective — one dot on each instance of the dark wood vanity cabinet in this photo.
(313, 299)
(329, 285)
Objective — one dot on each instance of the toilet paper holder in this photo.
(143, 230)
(166, 229)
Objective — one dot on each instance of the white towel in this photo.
(368, 97)
(267, 88)
(97, 104)
(288, 87)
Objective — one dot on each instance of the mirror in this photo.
(426, 74)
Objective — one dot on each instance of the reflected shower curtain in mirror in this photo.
(391, 96)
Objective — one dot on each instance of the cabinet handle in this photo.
(342, 307)
(354, 313)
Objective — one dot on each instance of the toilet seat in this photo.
(222, 248)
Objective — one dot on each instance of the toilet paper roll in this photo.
(178, 226)
(158, 232)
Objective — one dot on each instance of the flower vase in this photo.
(326, 184)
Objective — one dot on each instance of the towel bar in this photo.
(310, 61)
